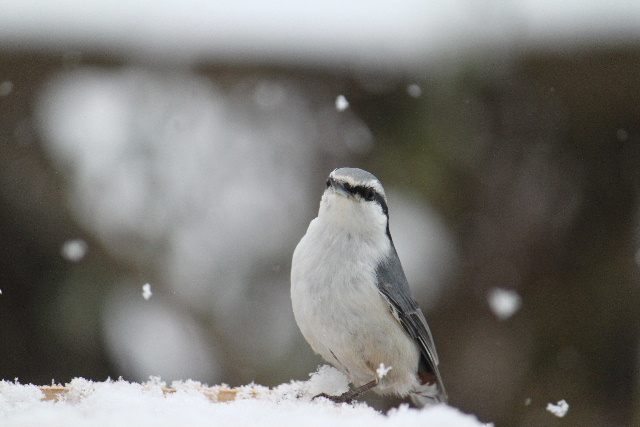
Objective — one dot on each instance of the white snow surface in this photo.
(110, 403)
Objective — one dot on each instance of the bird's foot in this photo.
(350, 395)
(343, 398)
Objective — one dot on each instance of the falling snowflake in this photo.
(74, 250)
(341, 103)
(146, 291)
(560, 409)
(504, 302)
(382, 370)
(414, 90)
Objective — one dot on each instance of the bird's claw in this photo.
(343, 398)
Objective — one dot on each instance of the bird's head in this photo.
(355, 200)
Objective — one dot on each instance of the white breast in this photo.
(340, 311)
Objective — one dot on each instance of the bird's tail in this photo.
(421, 400)
(431, 391)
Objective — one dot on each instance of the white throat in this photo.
(352, 215)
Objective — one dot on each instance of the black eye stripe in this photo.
(364, 192)
(370, 195)
(367, 193)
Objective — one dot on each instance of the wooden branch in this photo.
(214, 394)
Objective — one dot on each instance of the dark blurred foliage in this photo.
(533, 162)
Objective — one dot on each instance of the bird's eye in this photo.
(347, 187)
(328, 183)
(370, 195)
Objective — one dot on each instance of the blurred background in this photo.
(185, 144)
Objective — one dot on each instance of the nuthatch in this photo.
(351, 298)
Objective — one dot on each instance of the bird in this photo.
(351, 299)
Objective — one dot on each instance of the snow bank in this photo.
(109, 403)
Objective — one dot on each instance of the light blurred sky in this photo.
(384, 34)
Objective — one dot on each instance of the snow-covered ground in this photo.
(111, 403)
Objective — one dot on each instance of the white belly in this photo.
(341, 313)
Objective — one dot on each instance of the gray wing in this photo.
(393, 285)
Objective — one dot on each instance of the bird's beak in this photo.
(339, 188)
